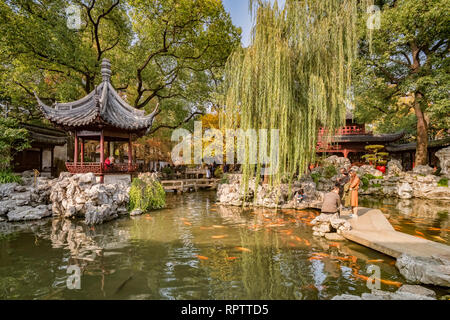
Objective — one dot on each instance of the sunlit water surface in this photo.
(195, 249)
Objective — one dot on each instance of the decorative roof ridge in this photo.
(102, 105)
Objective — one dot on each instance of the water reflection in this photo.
(193, 249)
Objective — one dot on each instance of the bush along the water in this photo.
(8, 177)
(146, 195)
(365, 181)
(218, 173)
(443, 182)
(329, 172)
(315, 176)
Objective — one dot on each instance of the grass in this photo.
(9, 177)
(443, 182)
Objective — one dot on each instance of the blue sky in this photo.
(240, 15)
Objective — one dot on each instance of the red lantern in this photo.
(381, 168)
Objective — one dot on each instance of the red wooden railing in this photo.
(342, 131)
(98, 168)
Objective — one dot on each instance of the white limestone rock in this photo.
(405, 191)
(79, 195)
(136, 212)
(444, 160)
(394, 167)
(434, 270)
(420, 169)
(417, 290)
(29, 213)
(367, 169)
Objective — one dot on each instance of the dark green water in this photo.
(193, 249)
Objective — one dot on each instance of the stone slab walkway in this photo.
(373, 230)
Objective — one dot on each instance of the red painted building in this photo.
(350, 141)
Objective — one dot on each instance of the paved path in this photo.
(373, 230)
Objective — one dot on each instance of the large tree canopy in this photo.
(166, 51)
(403, 80)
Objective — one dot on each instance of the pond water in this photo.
(195, 249)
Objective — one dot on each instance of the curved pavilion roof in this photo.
(381, 138)
(103, 106)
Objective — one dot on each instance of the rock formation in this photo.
(80, 196)
(405, 292)
(433, 270)
(444, 160)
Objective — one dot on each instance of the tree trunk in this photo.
(422, 133)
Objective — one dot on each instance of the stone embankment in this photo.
(405, 292)
(67, 196)
(419, 183)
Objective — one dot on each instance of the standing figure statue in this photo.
(353, 188)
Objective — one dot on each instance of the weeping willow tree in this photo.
(295, 76)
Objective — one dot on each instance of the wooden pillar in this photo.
(108, 148)
(130, 153)
(75, 152)
(41, 153)
(82, 151)
(102, 155)
(52, 154)
(345, 152)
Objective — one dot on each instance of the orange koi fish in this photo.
(420, 233)
(231, 258)
(340, 258)
(243, 249)
(439, 238)
(321, 254)
(187, 223)
(218, 227)
(298, 238)
(206, 228)
(202, 257)
(334, 244)
(391, 283)
(375, 260)
(434, 229)
(314, 258)
(307, 242)
(219, 237)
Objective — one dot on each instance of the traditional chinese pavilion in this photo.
(102, 116)
(351, 139)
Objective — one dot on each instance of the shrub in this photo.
(224, 179)
(13, 139)
(443, 182)
(365, 182)
(218, 173)
(167, 170)
(372, 177)
(329, 172)
(315, 176)
(8, 177)
(146, 195)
